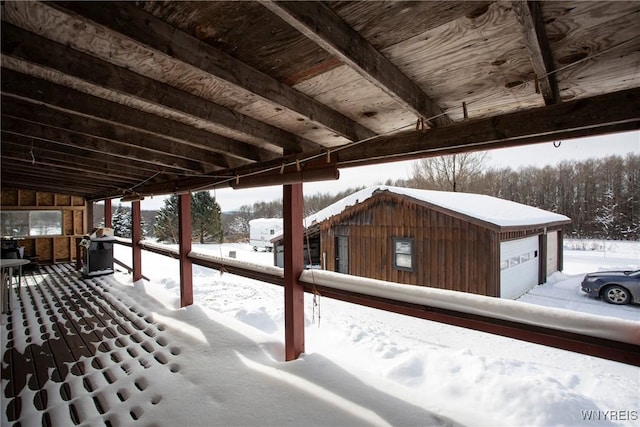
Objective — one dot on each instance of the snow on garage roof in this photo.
(501, 212)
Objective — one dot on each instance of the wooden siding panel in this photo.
(26, 198)
(55, 248)
(449, 252)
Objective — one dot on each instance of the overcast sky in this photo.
(530, 155)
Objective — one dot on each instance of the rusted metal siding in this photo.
(449, 253)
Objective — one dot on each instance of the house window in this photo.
(403, 254)
(31, 223)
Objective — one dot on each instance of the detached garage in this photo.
(458, 241)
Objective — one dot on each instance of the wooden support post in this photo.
(136, 236)
(293, 267)
(560, 250)
(184, 245)
(87, 220)
(108, 222)
(542, 252)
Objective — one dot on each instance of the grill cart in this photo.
(98, 253)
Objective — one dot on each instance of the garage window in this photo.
(403, 254)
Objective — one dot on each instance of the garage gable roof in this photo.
(492, 210)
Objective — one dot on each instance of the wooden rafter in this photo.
(319, 23)
(26, 46)
(615, 112)
(535, 36)
(51, 151)
(112, 135)
(20, 85)
(137, 25)
(101, 146)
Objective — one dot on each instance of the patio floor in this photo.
(69, 348)
(103, 351)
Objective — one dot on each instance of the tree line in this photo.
(601, 196)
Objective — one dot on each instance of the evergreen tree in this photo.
(166, 226)
(121, 222)
(206, 219)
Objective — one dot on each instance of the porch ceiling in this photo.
(99, 98)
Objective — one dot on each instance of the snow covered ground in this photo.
(417, 372)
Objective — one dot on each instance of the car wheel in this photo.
(615, 294)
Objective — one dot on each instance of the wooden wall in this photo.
(50, 249)
(450, 253)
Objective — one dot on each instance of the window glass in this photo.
(403, 254)
(31, 223)
(15, 223)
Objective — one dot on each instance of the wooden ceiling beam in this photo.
(613, 112)
(319, 23)
(19, 126)
(154, 145)
(21, 184)
(53, 150)
(61, 97)
(58, 169)
(156, 34)
(599, 115)
(31, 48)
(535, 36)
(63, 180)
(35, 154)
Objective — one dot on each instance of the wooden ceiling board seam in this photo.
(214, 62)
(61, 29)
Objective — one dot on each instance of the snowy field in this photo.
(427, 373)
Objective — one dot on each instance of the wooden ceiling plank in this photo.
(58, 168)
(614, 112)
(319, 23)
(35, 130)
(29, 47)
(64, 180)
(535, 37)
(609, 113)
(43, 157)
(116, 134)
(156, 34)
(64, 98)
(54, 150)
(25, 183)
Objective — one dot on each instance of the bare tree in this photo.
(454, 172)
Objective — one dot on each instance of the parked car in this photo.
(616, 287)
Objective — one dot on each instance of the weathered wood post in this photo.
(184, 245)
(136, 236)
(293, 267)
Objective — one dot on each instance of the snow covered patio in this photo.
(96, 352)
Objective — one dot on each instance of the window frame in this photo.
(30, 224)
(408, 243)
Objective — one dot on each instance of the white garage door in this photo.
(519, 260)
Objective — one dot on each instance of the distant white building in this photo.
(262, 230)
